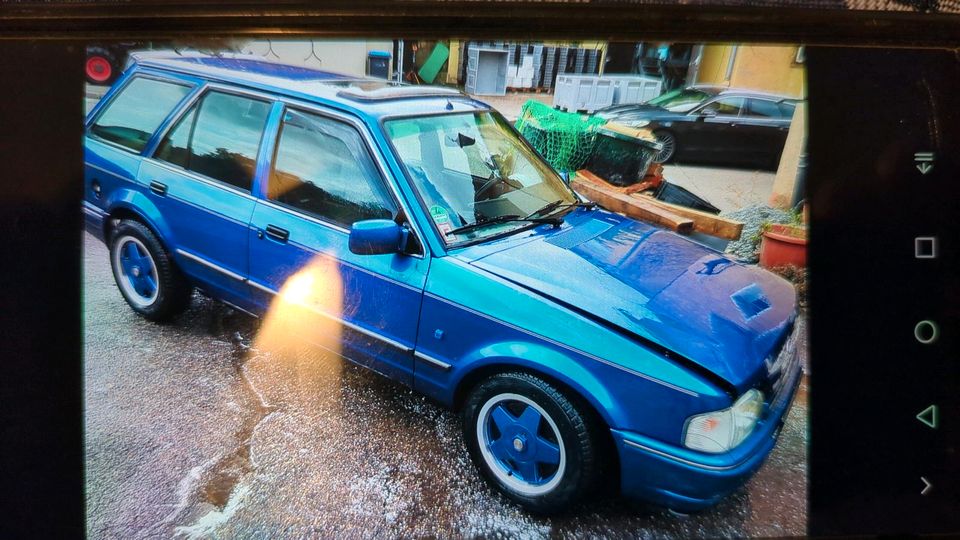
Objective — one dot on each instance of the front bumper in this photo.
(687, 480)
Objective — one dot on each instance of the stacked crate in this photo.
(537, 65)
(592, 57)
(549, 67)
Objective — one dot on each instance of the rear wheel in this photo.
(531, 442)
(669, 142)
(145, 274)
(100, 67)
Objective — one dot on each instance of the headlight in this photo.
(720, 431)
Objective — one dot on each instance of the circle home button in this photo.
(926, 332)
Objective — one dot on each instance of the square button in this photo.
(925, 247)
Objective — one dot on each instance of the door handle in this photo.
(278, 234)
(158, 188)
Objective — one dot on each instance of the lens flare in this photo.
(306, 311)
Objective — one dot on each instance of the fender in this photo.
(134, 201)
(550, 363)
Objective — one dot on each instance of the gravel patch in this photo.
(753, 218)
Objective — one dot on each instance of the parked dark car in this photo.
(713, 124)
(579, 345)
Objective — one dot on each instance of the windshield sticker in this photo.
(439, 214)
(445, 228)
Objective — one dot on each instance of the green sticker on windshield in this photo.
(439, 214)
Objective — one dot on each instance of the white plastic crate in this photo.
(629, 89)
(582, 93)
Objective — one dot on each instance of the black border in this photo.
(779, 22)
(41, 463)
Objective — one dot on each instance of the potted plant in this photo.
(783, 244)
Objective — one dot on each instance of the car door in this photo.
(713, 132)
(200, 177)
(324, 176)
(765, 130)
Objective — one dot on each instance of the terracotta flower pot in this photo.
(782, 245)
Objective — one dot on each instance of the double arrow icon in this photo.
(924, 161)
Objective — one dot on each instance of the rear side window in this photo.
(218, 138)
(730, 106)
(131, 118)
(763, 108)
(323, 167)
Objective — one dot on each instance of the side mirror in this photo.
(708, 113)
(376, 237)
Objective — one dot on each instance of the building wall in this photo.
(771, 68)
(342, 56)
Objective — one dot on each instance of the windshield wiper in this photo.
(506, 218)
(556, 205)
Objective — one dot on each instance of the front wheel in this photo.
(531, 442)
(145, 274)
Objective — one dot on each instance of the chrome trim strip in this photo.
(111, 144)
(362, 330)
(563, 345)
(433, 361)
(112, 173)
(210, 265)
(303, 215)
(348, 324)
(680, 460)
(262, 288)
(200, 178)
(93, 210)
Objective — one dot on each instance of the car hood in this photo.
(664, 289)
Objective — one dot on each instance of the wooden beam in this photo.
(611, 198)
(703, 222)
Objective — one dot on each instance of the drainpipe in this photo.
(400, 61)
(696, 57)
(731, 62)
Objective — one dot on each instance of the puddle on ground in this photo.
(220, 480)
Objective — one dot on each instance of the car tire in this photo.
(669, 142)
(531, 442)
(100, 67)
(147, 277)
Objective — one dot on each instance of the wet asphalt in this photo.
(191, 431)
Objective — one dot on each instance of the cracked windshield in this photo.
(471, 169)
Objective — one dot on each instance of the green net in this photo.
(565, 140)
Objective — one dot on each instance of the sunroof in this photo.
(376, 91)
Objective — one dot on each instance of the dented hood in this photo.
(724, 316)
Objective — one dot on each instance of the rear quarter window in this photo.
(130, 119)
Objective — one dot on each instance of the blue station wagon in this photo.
(584, 350)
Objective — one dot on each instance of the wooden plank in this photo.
(703, 222)
(613, 199)
(593, 178)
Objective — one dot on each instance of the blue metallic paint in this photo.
(658, 306)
